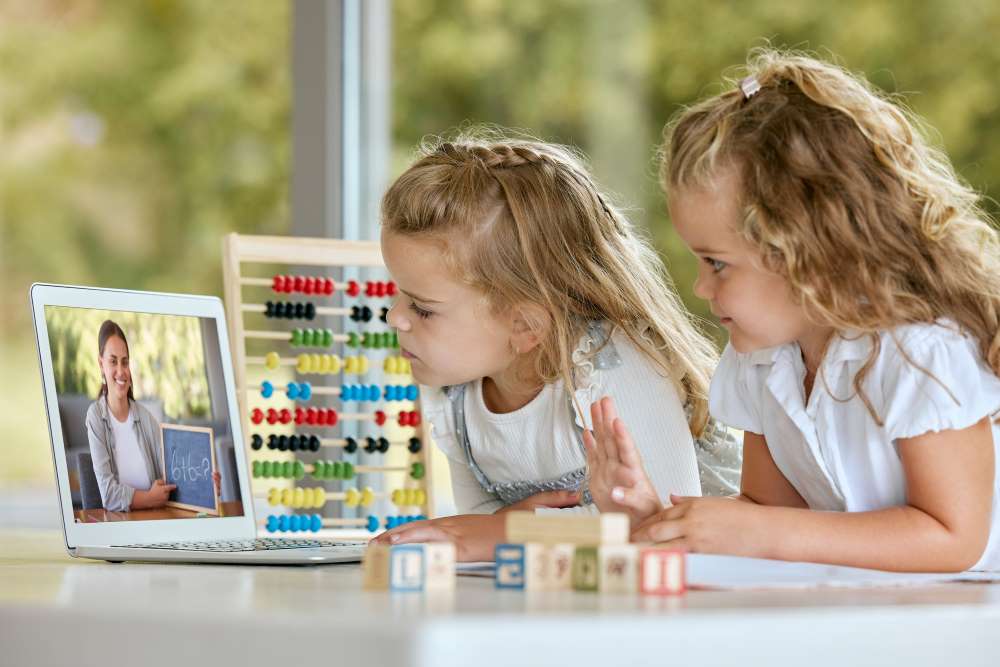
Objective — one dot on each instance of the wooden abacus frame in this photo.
(241, 249)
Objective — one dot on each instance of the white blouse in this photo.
(539, 441)
(830, 448)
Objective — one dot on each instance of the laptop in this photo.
(158, 403)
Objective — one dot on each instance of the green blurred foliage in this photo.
(606, 76)
(166, 357)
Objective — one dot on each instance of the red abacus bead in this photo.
(300, 416)
(328, 286)
(311, 416)
(289, 282)
(257, 416)
(272, 416)
(276, 283)
(298, 284)
(379, 417)
(285, 416)
(353, 289)
(309, 286)
(331, 417)
(403, 418)
(380, 288)
(369, 288)
(390, 288)
(414, 418)
(321, 417)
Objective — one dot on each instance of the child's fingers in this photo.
(608, 441)
(659, 531)
(676, 500)
(625, 449)
(420, 531)
(597, 417)
(595, 454)
(629, 498)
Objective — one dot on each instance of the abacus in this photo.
(290, 400)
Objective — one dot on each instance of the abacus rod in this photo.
(287, 335)
(320, 310)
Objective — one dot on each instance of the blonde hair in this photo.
(523, 222)
(844, 197)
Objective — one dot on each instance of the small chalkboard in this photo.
(189, 462)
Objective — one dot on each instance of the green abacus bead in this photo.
(387, 339)
(377, 341)
(312, 337)
(395, 340)
(286, 469)
(296, 337)
(256, 468)
(318, 468)
(327, 337)
(348, 470)
(336, 470)
(352, 339)
(417, 470)
(366, 339)
(265, 469)
(298, 470)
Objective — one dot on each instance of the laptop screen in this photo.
(145, 416)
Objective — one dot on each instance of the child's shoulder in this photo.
(910, 344)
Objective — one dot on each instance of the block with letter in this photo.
(375, 568)
(510, 566)
(406, 567)
(560, 563)
(618, 567)
(439, 566)
(587, 530)
(586, 575)
(661, 571)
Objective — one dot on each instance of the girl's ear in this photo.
(529, 326)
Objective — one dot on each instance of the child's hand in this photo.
(558, 499)
(618, 481)
(475, 535)
(708, 525)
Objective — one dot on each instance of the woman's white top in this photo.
(539, 441)
(830, 448)
(132, 470)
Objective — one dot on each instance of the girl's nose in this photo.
(395, 318)
(703, 288)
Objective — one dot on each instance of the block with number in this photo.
(439, 566)
(586, 575)
(375, 568)
(587, 530)
(618, 566)
(406, 567)
(510, 566)
(661, 571)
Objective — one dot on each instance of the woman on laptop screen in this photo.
(124, 436)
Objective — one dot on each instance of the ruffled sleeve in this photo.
(937, 382)
(730, 399)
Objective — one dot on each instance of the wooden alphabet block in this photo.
(560, 557)
(587, 530)
(375, 568)
(618, 566)
(537, 569)
(586, 574)
(406, 567)
(439, 566)
(661, 571)
(510, 566)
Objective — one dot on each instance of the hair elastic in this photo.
(750, 87)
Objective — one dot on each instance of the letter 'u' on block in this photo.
(661, 571)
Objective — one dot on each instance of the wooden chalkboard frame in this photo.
(214, 510)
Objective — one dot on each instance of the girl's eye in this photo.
(715, 264)
(421, 313)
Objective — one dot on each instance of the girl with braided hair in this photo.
(524, 296)
(859, 280)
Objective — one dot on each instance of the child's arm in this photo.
(943, 527)
(762, 481)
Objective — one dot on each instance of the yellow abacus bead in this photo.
(363, 365)
(420, 497)
(407, 366)
(324, 364)
(390, 365)
(307, 498)
(302, 363)
(319, 497)
(272, 360)
(286, 497)
(351, 365)
(273, 496)
(299, 497)
(367, 497)
(352, 498)
(315, 361)
(335, 363)
(397, 497)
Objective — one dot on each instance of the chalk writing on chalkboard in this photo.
(189, 461)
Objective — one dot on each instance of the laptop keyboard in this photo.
(264, 544)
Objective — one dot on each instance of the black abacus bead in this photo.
(272, 441)
(384, 315)
(283, 443)
(414, 445)
(366, 314)
(314, 443)
(310, 311)
(256, 442)
(351, 446)
(383, 445)
(370, 445)
(289, 310)
(269, 309)
(300, 310)
(293, 443)
(355, 313)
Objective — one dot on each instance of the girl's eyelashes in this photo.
(715, 264)
(421, 313)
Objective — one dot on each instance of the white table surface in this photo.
(62, 611)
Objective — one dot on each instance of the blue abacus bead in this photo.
(391, 522)
(373, 392)
(272, 524)
(305, 391)
(293, 523)
(315, 523)
(420, 517)
(344, 392)
(293, 391)
(372, 525)
(412, 392)
(283, 523)
(266, 389)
